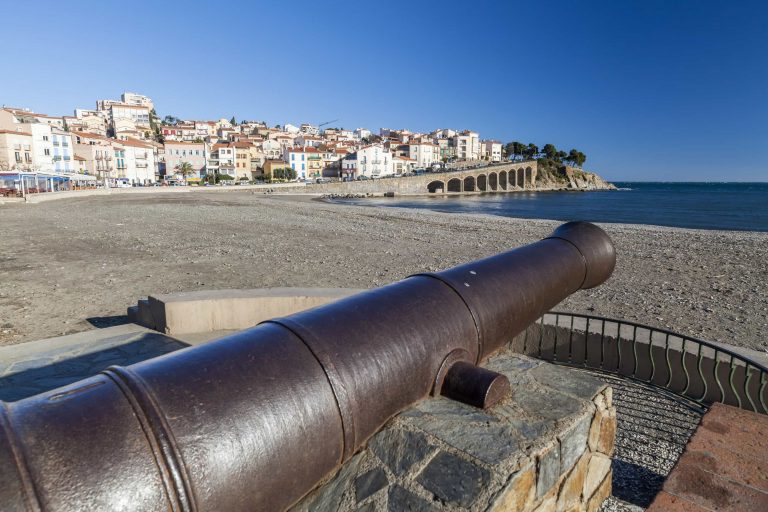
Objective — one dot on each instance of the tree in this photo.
(514, 149)
(550, 151)
(170, 120)
(561, 156)
(532, 151)
(573, 157)
(185, 169)
(233, 121)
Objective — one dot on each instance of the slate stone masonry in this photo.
(547, 448)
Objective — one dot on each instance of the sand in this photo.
(76, 264)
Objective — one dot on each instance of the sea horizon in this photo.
(736, 206)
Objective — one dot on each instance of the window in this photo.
(27, 158)
(18, 157)
(47, 152)
(45, 137)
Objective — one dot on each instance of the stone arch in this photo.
(493, 181)
(529, 176)
(469, 184)
(454, 185)
(482, 183)
(435, 186)
(520, 177)
(503, 180)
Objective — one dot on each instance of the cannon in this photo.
(255, 420)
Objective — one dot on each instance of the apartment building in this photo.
(140, 162)
(307, 162)
(374, 161)
(467, 144)
(16, 151)
(63, 154)
(424, 154)
(491, 150)
(131, 98)
(178, 152)
(95, 154)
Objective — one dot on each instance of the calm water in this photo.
(738, 206)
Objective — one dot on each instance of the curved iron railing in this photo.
(699, 370)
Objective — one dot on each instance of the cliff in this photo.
(555, 175)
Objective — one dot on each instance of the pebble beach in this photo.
(77, 264)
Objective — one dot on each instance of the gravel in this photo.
(70, 265)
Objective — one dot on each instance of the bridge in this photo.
(496, 178)
(504, 177)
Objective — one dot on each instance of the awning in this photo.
(81, 177)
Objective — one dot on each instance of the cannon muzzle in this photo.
(255, 420)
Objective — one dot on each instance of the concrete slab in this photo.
(220, 310)
(38, 366)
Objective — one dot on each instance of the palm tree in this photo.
(185, 169)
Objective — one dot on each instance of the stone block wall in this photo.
(547, 448)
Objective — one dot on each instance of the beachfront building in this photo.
(307, 162)
(63, 152)
(242, 160)
(139, 159)
(271, 165)
(15, 150)
(402, 165)
(491, 150)
(374, 161)
(349, 167)
(95, 154)
(178, 152)
(424, 154)
(297, 160)
(467, 144)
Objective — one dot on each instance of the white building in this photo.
(491, 150)
(467, 145)
(195, 153)
(309, 129)
(139, 162)
(63, 151)
(374, 161)
(297, 159)
(131, 98)
(424, 154)
(362, 133)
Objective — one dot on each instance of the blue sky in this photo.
(651, 90)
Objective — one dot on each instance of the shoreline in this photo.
(88, 262)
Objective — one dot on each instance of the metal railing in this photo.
(699, 370)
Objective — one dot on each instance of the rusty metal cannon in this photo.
(255, 420)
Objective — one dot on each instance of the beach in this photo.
(77, 264)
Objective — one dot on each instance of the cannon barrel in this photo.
(256, 420)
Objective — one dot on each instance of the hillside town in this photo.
(123, 143)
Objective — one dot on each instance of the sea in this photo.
(727, 206)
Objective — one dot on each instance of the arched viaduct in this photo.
(497, 178)
(506, 177)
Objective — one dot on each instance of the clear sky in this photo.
(649, 90)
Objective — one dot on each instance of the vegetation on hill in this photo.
(531, 151)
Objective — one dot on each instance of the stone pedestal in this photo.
(547, 448)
